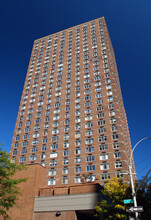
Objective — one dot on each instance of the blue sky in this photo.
(129, 24)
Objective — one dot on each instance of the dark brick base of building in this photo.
(38, 202)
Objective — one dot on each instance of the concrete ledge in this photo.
(85, 201)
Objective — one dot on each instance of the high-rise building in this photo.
(71, 117)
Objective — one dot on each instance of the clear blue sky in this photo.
(129, 24)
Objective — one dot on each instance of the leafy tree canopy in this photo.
(9, 190)
(112, 207)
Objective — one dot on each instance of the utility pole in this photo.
(131, 176)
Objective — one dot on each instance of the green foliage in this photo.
(9, 190)
(112, 207)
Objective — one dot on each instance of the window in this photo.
(35, 135)
(113, 120)
(104, 166)
(55, 138)
(67, 121)
(115, 136)
(53, 163)
(44, 148)
(101, 122)
(104, 156)
(90, 158)
(34, 142)
(77, 179)
(78, 169)
(65, 170)
(22, 159)
(88, 117)
(66, 136)
(112, 113)
(51, 182)
(88, 104)
(33, 157)
(89, 141)
(102, 138)
(16, 145)
(119, 174)
(25, 143)
(54, 146)
(43, 156)
(118, 164)
(90, 168)
(111, 105)
(66, 153)
(89, 132)
(89, 149)
(66, 145)
(34, 149)
(65, 161)
(78, 151)
(65, 180)
(55, 131)
(103, 147)
(101, 115)
(52, 172)
(99, 101)
(117, 154)
(53, 154)
(56, 124)
(24, 151)
(116, 145)
(100, 108)
(45, 140)
(90, 178)
(102, 130)
(89, 125)
(78, 127)
(114, 128)
(105, 176)
(78, 160)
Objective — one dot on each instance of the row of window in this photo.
(89, 140)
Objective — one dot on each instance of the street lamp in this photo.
(131, 175)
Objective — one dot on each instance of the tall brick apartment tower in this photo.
(71, 117)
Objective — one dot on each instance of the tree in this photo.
(144, 198)
(112, 206)
(9, 190)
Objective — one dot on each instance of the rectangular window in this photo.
(65, 161)
(89, 141)
(89, 149)
(78, 160)
(118, 164)
(104, 166)
(105, 176)
(90, 168)
(53, 154)
(65, 170)
(54, 146)
(104, 156)
(77, 179)
(51, 182)
(117, 154)
(78, 169)
(33, 157)
(102, 138)
(52, 172)
(53, 163)
(89, 125)
(103, 147)
(90, 158)
(22, 159)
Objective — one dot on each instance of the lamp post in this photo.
(131, 175)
